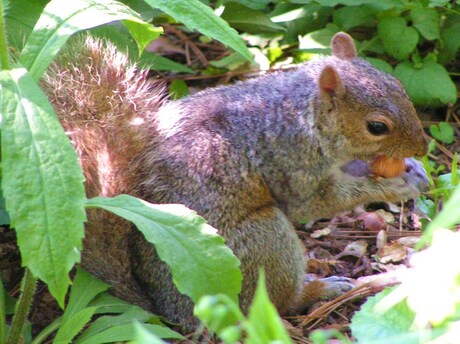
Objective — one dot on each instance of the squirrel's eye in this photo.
(377, 128)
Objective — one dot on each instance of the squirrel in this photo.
(252, 158)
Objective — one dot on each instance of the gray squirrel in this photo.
(251, 158)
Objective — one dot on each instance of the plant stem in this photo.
(22, 307)
(3, 45)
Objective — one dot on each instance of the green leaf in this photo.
(195, 15)
(117, 328)
(249, 20)
(73, 326)
(143, 335)
(427, 206)
(85, 288)
(4, 216)
(20, 18)
(254, 4)
(426, 21)
(120, 333)
(42, 182)
(185, 242)
(60, 20)
(178, 89)
(318, 39)
(368, 325)
(230, 62)
(264, 323)
(451, 41)
(105, 322)
(398, 39)
(443, 132)
(349, 17)
(427, 85)
(157, 62)
(143, 33)
(107, 303)
(221, 315)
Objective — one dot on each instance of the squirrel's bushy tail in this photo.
(107, 108)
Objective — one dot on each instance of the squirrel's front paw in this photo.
(410, 184)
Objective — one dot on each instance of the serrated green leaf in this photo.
(264, 323)
(42, 182)
(426, 21)
(429, 85)
(195, 15)
(249, 20)
(352, 16)
(73, 326)
(59, 20)
(443, 132)
(185, 242)
(85, 288)
(398, 39)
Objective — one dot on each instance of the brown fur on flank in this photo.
(251, 158)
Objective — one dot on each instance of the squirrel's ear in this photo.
(329, 81)
(343, 46)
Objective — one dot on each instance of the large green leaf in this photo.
(397, 37)
(196, 15)
(200, 262)
(426, 21)
(42, 182)
(60, 19)
(428, 84)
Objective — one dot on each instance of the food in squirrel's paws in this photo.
(386, 167)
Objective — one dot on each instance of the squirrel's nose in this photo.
(422, 146)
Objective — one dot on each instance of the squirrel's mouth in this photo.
(379, 166)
